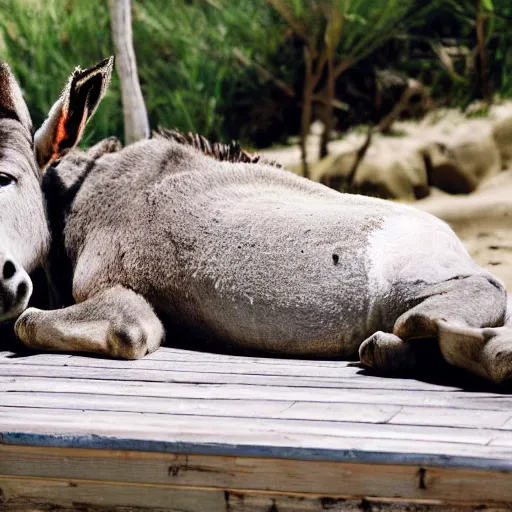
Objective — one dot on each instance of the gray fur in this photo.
(252, 257)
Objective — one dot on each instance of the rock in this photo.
(483, 221)
(502, 131)
(391, 169)
(464, 159)
(393, 174)
(334, 169)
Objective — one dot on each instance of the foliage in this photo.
(333, 36)
(183, 61)
(43, 42)
(452, 26)
(499, 46)
(222, 68)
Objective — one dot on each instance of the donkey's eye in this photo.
(6, 180)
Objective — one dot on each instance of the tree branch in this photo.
(264, 73)
(294, 23)
(387, 121)
(361, 153)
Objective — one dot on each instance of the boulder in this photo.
(391, 169)
(502, 131)
(456, 159)
(464, 159)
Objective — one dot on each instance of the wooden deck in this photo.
(197, 432)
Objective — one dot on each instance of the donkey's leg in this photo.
(387, 353)
(472, 303)
(117, 322)
(486, 351)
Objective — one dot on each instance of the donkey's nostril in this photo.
(21, 291)
(9, 270)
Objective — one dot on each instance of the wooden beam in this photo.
(128, 478)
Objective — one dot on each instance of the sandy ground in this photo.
(483, 220)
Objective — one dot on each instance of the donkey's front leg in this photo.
(117, 322)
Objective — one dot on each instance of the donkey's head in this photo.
(24, 232)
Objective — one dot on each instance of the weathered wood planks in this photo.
(188, 431)
(146, 479)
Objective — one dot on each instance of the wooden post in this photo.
(136, 123)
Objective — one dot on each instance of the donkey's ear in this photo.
(66, 121)
(12, 104)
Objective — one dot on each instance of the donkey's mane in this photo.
(223, 152)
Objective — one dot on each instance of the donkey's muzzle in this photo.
(15, 289)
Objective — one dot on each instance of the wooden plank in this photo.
(83, 494)
(503, 438)
(219, 367)
(455, 399)
(287, 427)
(346, 412)
(237, 502)
(286, 476)
(277, 427)
(34, 358)
(178, 355)
(173, 354)
(257, 408)
(263, 476)
(230, 436)
(408, 415)
(508, 425)
(148, 375)
(446, 416)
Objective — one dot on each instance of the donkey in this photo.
(165, 238)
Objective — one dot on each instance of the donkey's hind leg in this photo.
(117, 322)
(457, 313)
(488, 350)
(389, 354)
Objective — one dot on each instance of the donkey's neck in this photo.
(60, 189)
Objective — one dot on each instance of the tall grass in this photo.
(44, 41)
(183, 59)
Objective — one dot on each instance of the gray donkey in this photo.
(162, 238)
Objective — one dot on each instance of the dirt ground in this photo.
(483, 219)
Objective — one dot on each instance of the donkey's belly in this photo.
(288, 279)
(312, 311)
(317, 288)
(306, 305)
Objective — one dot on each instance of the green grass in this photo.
(183, 61)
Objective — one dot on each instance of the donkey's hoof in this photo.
(366, 351)
(497, 358)
(378, 351)
(24, 326)
(387, 353)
